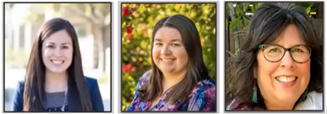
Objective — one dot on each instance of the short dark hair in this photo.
(269, 20)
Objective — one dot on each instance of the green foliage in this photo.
(241, 20)
(136, 50)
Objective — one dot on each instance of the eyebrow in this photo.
(275, 43)
(173, 40)
(61, 43)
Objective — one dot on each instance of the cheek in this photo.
(155, 52)
(68, 54)
(305, 67)
(181, 55)
(304, 70)
(46, 53)
(266, 70)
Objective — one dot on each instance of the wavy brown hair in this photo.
(269, 20)
(196, 70)
(34, 93)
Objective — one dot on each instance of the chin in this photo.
(57, 70)
(165, 70)
(289, 98)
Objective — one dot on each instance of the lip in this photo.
(287, 84)
(57, 62)
(170, 60)
(167, 58)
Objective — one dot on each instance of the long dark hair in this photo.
(35, 75)
(196, 70)
(269, 20)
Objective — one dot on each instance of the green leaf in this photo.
(308, 10)
(227, 9)
(245, 22)
(234, 23)
(245, 6)
(254, 7)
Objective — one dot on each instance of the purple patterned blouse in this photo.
(203, 98)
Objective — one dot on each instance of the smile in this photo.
(286, 79)
(167, 60)
(57, 62)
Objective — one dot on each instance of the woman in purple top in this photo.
(178, 80)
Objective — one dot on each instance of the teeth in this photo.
(166, 60)
(286, 79)
(57, 62)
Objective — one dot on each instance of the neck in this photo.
(279, 105)
(55, 82)
(172, 79)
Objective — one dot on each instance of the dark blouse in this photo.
(56, 101)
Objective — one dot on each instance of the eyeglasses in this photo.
(275, 53)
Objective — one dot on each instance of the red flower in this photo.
(129, 29)
(130, 36)
(127, 67)
(133, 69)
(126, 11)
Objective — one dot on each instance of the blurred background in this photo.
(237, 16)
(92, 24)
(138, 21)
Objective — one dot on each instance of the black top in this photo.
(56, 101)
(92, 85)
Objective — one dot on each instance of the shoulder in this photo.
(20, 86)
(315, 96)
(90, 81)
(206, 85)
(237, 105)
(312, 102)
(206, 89)
(144, 78)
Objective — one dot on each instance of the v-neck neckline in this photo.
(159, 102)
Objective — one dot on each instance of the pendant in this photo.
(63, 109)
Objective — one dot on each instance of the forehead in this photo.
(59, 37)
(291, 35)
(167, 33)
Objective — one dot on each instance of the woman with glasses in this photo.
(280, 66)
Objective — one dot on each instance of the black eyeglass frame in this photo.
(262, 47)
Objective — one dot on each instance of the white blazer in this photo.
(312, 102)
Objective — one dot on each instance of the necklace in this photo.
(65, 97)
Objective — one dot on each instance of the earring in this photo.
(254, 95)
(304, 95)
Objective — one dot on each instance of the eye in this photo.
(273, 50)
(158, 44)
(297, 50)
(64, 47)
(175, 44)
(51, 46)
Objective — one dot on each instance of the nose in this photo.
(287, 61)
(58, 52)
(165, 50)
